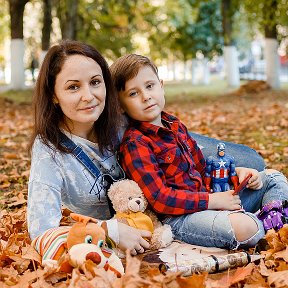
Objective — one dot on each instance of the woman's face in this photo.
(80, 92)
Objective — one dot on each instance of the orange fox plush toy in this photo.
(85, 240)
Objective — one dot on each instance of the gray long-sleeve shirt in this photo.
(59, 179)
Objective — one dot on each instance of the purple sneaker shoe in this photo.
(274, 214)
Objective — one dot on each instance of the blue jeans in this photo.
(275, 187)
(244, 155)
(212, 228)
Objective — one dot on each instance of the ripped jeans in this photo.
(212, 228)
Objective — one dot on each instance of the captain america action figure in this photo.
(220, 170)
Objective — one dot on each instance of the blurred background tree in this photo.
(16, 12)
(174, 33)
(268, 17)
(4, 31)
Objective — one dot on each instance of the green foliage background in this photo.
(167, 29)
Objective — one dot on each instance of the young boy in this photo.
(158, 153)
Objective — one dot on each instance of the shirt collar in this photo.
(172, 123)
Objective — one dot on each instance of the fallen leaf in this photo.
(3, 178)
(283, 233)
(278, 279)
(240, 274)
(30, 276)
(263, 269)
(282, 254)
(30, 253)
(256, 279)
(282, 265)
(10, 155)
(194, 281)
(263, 116)
(274, 241)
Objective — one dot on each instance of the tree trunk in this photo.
(227, 22)
(231, 66)
(206, 72)
(68, 14)
(46, 29)
(17, 64)
(185, 69)
(16, 10)
(47, 24)
(193, 72)
(272, 68)
(174, 70)
(230, 51)
(72, 15)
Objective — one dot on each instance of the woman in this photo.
(74, 95)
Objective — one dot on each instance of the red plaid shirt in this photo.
(167, 164)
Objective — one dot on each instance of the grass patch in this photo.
(175, 91)
(19, 96)
(185, 91)
(284, 85)
(181, 91)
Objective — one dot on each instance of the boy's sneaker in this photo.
(274, 214)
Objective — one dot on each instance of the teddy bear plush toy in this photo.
(84, 240)
(130, 205)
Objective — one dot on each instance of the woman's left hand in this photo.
(133, 239)
(255, 182)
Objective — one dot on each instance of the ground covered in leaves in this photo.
(259, 120)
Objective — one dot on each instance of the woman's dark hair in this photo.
(48, 116)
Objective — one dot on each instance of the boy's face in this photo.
(143, 98)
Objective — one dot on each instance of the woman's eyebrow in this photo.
(72, 81)
(91, 78)
(97, 75)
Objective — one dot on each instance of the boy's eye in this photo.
(149, 86)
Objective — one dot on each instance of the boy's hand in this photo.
(255, 182)
(224, 201)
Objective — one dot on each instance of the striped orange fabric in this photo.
(53, 243)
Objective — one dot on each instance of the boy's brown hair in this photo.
(127, 67)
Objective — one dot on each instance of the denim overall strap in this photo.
(81, 156)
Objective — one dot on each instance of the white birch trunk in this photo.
(7, 70)
(206, 72)
(193, 72)
(17, 64)
(174, 70)
(231, 66)
(185, 70)
(272, 68)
